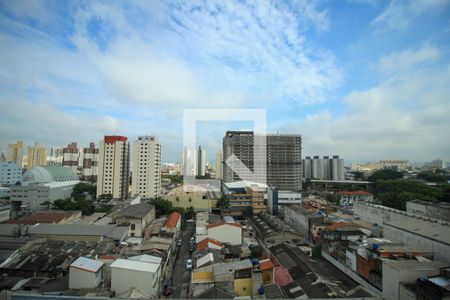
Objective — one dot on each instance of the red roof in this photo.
(265, 265)
(356, 193)
(282, 276)
(205, 243)
(46, 217)
(111, 139)
(172, 220)
(223, 223)
(338, 225)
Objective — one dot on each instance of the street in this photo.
(180, 276)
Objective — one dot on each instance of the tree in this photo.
(256, 251)
(358, 175)
(332, 198)
(385, 174)
(223, 202)
(248, 211)
(105, 198)
(162, 206)
(81, 189)
(190, 213)
(437, 176)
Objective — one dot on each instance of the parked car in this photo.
(191, 248)
(179, 242)
(189, 264)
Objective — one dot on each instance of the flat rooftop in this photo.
(430, 230)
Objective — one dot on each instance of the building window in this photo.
(133, 226)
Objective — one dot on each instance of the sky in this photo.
(363, 79)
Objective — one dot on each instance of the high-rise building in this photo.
(187, 168)
(200, 162)
(90, 163)
(37, 156)
(10, 173)
(146, 162)
(15, 153)
(70, 156)
(56, 156)
(282, 163)
(219, 162)
(324, 169)
(114, 167)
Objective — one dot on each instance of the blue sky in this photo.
(364, 79)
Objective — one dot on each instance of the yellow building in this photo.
(15, 153)
(252, 197)
(37, 156)
(190, 195)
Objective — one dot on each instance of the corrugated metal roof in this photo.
(147, 258)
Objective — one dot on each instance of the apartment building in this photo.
(90, 163)
(37, 156)
(281, 166)
(71, 156)
(15, 153)
(146, 171)
(326, 168)
(114, 167)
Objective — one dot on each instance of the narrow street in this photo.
(180, 276)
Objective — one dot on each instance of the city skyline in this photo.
(365, 80)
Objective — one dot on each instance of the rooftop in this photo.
(427, 229)
(209, 226)
(48, 217)
(135, 211)
(172, 220)
(87, 264)
(135, 265)
(245, 184)
(203, 244)
(112, 231)
(46, 174)
(147, 258)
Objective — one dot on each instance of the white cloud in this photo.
(403, 117)
(400, 13)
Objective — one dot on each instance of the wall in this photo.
(124, 279)
(197, 200)
(79, 279)
(352, 275)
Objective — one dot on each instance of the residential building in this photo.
(281, 166)
(71, 157)
(243, 195)
(15, 153)
(10, 173)
(129, 274)
(137, 216)
(430, 209)
(187, 162)
(277, 200)
(146, 162)
(200, 162)
(49, 217)
(397, 164)
(189, 195)
(225, 232)
(37, 156)
(324, 169)
(219, 165)
(85, 273)
(434, 287)
(114, 167)
(56, 156)
(172, 225)
(90, 163)
(347, 198)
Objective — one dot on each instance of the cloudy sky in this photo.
(364, 79)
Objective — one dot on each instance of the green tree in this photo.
(332, 198)
(248, 211)
(105, 198)
(81, 189)
(358, 175)
(385, 174)
(162, 206)
(257, 251)
(223, 202)
(190, 213)
(438, 176)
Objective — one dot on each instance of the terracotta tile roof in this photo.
(282, 276)
(223, 223)
(265, 265)
(46, 217)
(172, 219)
(202, 245)
(361, 193)
(338, 225)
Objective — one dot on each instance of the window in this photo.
(133, 226)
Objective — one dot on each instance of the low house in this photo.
(347, 198)
(137, 216)
(209, 243)
(127, 274)
(225, 232)
(337, 236)
(172, 225)
(85, 273)
(268, 271)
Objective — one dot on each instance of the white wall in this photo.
(124, 279)
(79, 279)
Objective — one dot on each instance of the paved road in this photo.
(180, 276)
